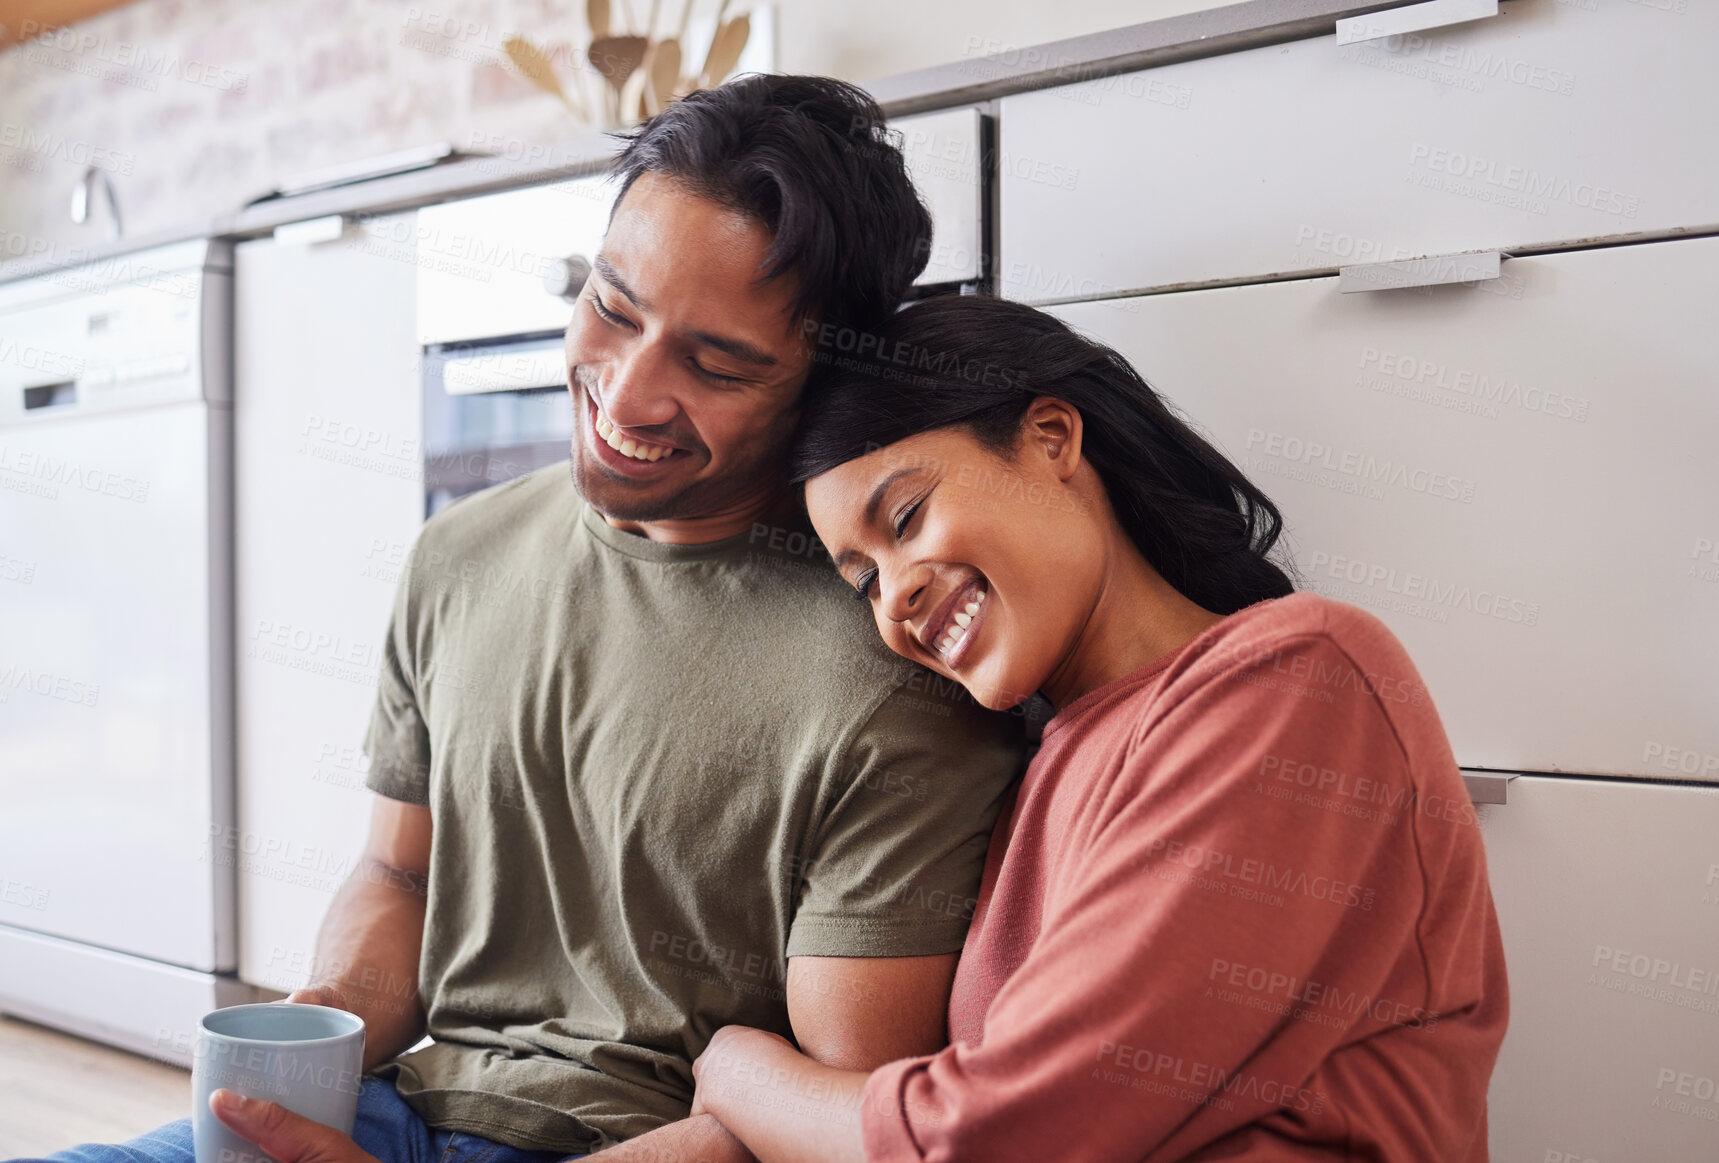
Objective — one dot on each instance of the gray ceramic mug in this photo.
(309, 1059)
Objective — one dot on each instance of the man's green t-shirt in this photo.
(656, 772)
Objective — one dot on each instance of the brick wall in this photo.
(195, 106)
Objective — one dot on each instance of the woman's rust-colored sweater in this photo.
(1237, 910)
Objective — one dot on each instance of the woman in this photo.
(1237, 908)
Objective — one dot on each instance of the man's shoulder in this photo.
(833, 641)
(805, 607)
(513, 511)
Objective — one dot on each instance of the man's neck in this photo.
(739, 518)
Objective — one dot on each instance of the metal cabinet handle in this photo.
(1485, 787)
(1412, 18)
(310, 231)
(1420, 272)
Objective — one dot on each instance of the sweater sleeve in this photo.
(1214, 931)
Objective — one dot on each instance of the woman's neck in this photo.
(1137, 618)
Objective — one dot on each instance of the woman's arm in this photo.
(785, 1107)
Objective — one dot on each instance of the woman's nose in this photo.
(904, 590)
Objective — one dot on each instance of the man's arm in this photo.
(850, 1013)
(911, 826)
(368, 948)
(856, 1013)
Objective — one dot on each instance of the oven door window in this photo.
(492, 413)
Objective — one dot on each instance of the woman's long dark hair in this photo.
(979, 362)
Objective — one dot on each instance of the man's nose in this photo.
(635, 394)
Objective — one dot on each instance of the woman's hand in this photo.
(785, 1107)
(733, 1055)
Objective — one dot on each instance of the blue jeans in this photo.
(386, 1127)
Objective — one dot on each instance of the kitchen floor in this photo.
(57, 1091)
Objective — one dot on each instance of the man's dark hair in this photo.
(813, 161)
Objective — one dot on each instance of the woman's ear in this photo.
(1052, 428)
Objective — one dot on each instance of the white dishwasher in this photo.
(116, 737)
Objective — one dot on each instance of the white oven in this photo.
(496, 279)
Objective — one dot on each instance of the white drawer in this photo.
(1557, 120)
(1519, 477)
(1606, 897)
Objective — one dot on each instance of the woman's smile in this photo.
(952, 627)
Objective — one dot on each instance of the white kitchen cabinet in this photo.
(329, 495)
(1608, 900)
(946, 160)
(1555, 121)
(1518, 476)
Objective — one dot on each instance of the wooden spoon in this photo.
(535, 67)
(725, 49)
(666, 82)
(617, 58)
(664, 75)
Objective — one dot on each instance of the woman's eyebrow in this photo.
(846, 556)
(876, 499)
(872, 504)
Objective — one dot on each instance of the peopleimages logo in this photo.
(1205, 1081)
(1432, 373)
(1299, 992)
(89, 47)
(1476, 61)
(1420, 587)
(1313, 777)
(1247, 870)
(1684, 1085)
(1531, 184)
(1362, 468)
(1657, 970)
(49, 685)
(59, 147)
(32, 466)
(1682, 760)
(1704, 559)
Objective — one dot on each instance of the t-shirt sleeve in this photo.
(398, 743)
(1157, 1009)
(896, 868)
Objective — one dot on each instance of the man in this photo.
(657, 773)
